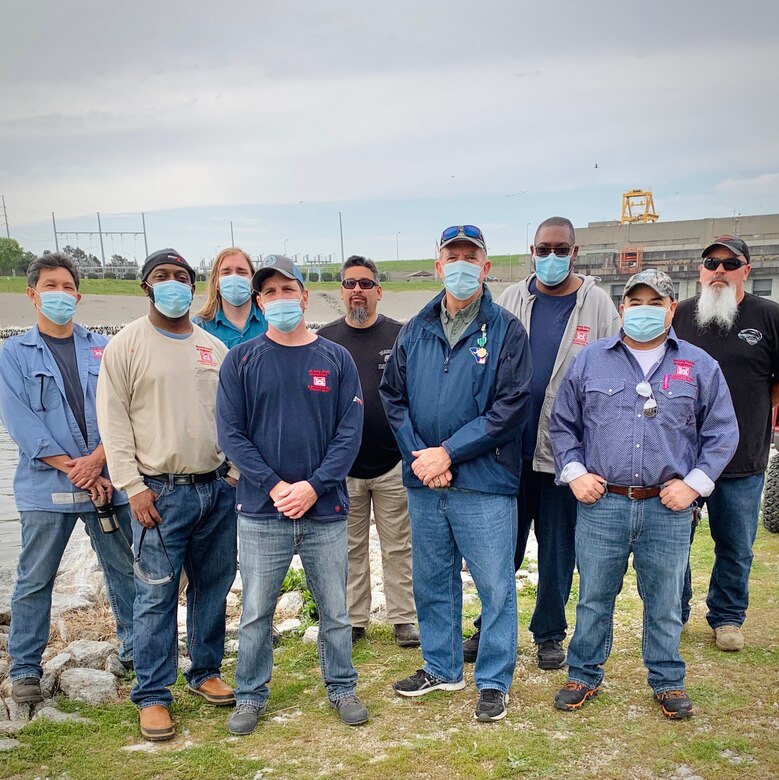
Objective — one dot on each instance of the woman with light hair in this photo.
(230, 312)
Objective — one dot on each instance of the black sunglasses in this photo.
(141, 573)
(365, 284)
(471, 231)
(558, 251)
(729, 264)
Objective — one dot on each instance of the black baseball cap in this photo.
(164, 257)
(733, 243)
(272, 264)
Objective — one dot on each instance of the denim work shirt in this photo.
(598, 420)
(227, 333)
(36, 413)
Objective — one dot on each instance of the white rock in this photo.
(470, 600)
(184, 665)
(290, 604)
(90, 654)
(311, 635)
(115, 666)
(49, 684)
(232, 628)
(3, 640)
(58, 716)
(467, 580)
(291, 624)
(16, 711)
(233, 599)
(93, 686)
(8, 744)
(181, 619)
(59, 663)
(296, 563)
(3, 710)
(62, 628)
(12, 726)
(237, 586)
(7, 581)
(378, 605)
(3, 669)
(231, 646)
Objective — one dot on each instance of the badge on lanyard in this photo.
(480, 352)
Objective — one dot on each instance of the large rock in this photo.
(59, 663)
(291, 624)
(289, 605)
(311, 635)
(11, 727)
(90, 654)
(93, 686)
(8, 744)
(52, 713)
(7, 580)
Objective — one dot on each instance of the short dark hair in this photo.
(556, 222)
(362, 262)
(51, 260)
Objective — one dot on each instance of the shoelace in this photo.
(672, 695)
(573, 686)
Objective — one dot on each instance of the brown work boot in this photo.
(216, 692)
(156, 725)
(406, 634)
(729, 638)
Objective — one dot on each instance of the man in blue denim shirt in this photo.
(642, 426)
(48, 378)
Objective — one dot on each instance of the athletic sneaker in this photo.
(676, 704)
(573, 695)
(550, 654)
(421, 683)
(244, 718)
(491, 705)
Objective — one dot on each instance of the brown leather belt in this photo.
(636, 492)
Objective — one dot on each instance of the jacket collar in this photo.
(612, 341)
(33, 336)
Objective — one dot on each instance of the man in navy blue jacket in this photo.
(289, 416)
(455, 390)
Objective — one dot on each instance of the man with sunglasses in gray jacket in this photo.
(562, 312)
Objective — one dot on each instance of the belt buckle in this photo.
(630, 492)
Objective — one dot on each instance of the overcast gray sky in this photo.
(389, 112)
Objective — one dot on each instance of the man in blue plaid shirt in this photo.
(642, 426)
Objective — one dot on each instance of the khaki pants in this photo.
(390, 510)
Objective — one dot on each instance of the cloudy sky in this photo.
(405, 117)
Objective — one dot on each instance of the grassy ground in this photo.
(619, 735)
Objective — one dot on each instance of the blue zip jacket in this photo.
(437, 395)
(35, 411)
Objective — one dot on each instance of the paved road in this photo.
(9, 517)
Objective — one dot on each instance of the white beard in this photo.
(717, 305)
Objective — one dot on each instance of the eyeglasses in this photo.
(141, 573)
(559, 251)
(470, 231)
(365, 284)
(644, 389)
(729, 264)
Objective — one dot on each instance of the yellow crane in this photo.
(638, 206)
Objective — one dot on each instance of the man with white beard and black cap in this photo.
(742, 332)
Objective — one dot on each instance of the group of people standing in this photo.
(605, 430)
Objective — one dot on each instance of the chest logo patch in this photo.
(751, 336)
(581, 336)
(318, 381)
(97, 352)
(383, 358)
(683, 372)
(206, 356)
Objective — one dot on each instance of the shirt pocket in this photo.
(207, 379)
(43, 392)
(604, 400)
(676, 405)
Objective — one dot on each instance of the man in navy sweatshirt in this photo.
(289, 416)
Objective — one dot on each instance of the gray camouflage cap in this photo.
(660, 282)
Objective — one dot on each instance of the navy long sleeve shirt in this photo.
(291, 414)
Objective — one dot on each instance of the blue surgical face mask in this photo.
(284, 314)
(461, 279)
(172, 299)
(59, 307)
(644, 323)
(553, 270)
(235, 289)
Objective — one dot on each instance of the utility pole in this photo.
(341, 229)
(100, 233)
(232, 237)
(145, 242)
(56, 242)
(5, 217)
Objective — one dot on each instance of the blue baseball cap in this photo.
(272, 264)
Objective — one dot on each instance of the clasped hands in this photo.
(431, 467)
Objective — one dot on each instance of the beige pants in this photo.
(390, 510)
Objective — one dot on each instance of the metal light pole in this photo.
(232, 237)
(5, 216)
(397, 245)
(285, 247)
(341, 230)
(100, 233)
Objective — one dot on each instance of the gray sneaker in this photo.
(244, 718)
(27, 691)
(352, 711)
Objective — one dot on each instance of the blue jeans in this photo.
(44, 538)
(447, 526)
(606, 533)
(199, 530)
(734, 507)
(267, 547)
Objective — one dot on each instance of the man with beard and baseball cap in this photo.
(156, 410)
(741, 331)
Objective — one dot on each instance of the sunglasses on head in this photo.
(141, 573)
(365, 284)
(470, 231)
(729, 263)
(558, 251)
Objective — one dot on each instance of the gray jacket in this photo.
(594, 317)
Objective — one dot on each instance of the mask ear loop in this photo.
(138, 569)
